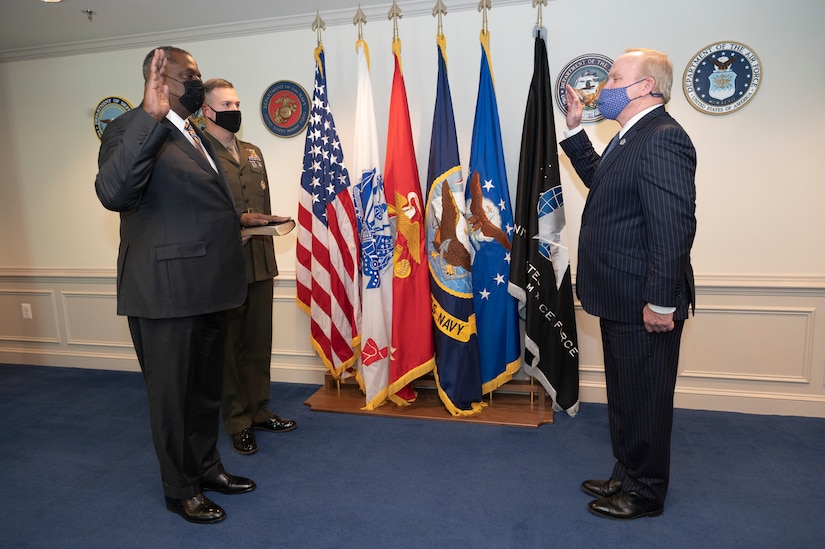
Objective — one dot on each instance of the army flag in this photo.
(457, 373)
(491, 233)
(540, 268)
(412, 347)
(376, 244)
(327, 275)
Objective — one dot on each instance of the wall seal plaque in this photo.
(107, 110)
(722, 78)
(285, 108)
(586, 74)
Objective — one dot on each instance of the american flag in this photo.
(327, 275)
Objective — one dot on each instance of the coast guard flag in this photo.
(327, 276)
(457, 372)
(376, 244)
(412, 351)
(491, 230)
(540, 268)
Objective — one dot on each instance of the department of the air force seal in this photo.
(285, 108)
(107, 110)
(722, 78)
(586, 74)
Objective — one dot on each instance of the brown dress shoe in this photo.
(602, 488)
(625, 506)
(244, 442)
(198, 509)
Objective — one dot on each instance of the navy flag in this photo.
(448, 249)
(540, 268)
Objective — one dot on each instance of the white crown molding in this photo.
(216, 32)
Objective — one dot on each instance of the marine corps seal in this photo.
(285, 108)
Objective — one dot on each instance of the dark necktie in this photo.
(611, 145)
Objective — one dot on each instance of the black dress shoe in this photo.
(197, 509)
(228, 484)
(244, 442)
(625, 506)
(276, 424)
(602, 488)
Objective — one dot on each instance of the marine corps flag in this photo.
(376, 244)
(540, 268)
(326, 266)
(457, 372)
(491, 230)
(412, 351)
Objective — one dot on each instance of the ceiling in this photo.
(32, 28)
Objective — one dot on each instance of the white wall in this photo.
(758, 258)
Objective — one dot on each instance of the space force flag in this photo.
(540, 268)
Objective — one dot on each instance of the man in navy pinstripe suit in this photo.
(634, 271)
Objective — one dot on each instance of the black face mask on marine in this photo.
(228, 120)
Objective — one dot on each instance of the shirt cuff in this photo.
(661, 310)
(574, 131)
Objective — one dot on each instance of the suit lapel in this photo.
(183, 143)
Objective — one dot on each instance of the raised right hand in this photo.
(574, 108)
(155, 92)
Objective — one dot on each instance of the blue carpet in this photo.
(78, 470)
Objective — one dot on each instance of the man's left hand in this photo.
(657, 323)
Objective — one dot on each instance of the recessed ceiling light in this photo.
(51, 1)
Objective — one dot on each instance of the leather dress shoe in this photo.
(276, 424)
(244, 442)
(198, 509)
(602, 488)
(625, 506)
(228, 484)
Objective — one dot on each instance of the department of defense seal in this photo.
(285, 108)
(722, 78)
(587, 74)
(107, 110)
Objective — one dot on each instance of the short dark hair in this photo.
(167, 51)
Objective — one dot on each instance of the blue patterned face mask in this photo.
(612, 101)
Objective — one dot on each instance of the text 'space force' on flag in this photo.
(540, 269)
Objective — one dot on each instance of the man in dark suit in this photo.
(634, 271)
(245, 401)
(180, 267)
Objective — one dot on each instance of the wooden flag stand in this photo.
(516, 403)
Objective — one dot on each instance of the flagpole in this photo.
(394, 14)
(539, 3)
(483, 7)
(319, 25)
(360, 20)
(439, 10)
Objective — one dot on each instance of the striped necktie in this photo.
(198, 145)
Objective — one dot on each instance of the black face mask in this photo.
(193, 94)
(228, 120)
